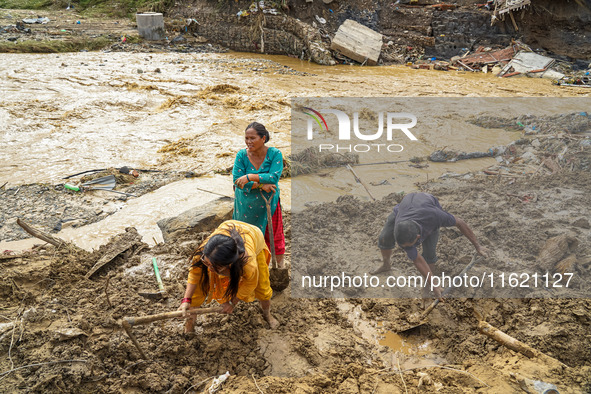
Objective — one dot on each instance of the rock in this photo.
(72, 223)
(199, 219)
(349, 386)
(29, 314)
(582, 222)
(529, 157)
(140, 71)
(69, 333)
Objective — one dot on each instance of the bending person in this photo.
(257, 170)
(232, 265)
(415, 221)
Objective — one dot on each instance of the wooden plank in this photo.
(358, 42)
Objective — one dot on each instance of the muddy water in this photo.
(65, 113)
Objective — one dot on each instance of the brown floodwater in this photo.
(66, 113)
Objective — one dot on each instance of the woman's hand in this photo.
(227, 308)
(269, 187)
(184, 307)
(243, 180)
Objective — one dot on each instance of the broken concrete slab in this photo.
(358, 42)
(199, 219)
(526, 62)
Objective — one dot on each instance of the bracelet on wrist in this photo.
(247, 178)
(186, 299)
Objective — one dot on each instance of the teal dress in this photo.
(249, 206)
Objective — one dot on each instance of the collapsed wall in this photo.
(270, 34)
(305, 30)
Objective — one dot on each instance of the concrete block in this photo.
(150, 25)
(199, 219)
(358, 42)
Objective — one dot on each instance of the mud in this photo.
(322, 345)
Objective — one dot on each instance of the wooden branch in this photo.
(360, 181)
(516, 345)
(57, 242)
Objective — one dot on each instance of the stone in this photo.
(199, 219)
(358, 42)
(582, 222)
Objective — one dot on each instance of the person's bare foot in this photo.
(273, 323)
(383, 268)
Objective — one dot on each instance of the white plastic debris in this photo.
(217, 383)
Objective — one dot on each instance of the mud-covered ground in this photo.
(53, 314)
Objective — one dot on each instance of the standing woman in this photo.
(232, 265)
(257, 170)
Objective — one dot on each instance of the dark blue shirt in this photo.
(425, 210)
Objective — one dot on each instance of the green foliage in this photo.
(26, 4)
(54, 46)
(119, 8)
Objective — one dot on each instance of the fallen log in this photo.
(516, 345)
(55, 241)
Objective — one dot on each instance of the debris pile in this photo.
(310, 160)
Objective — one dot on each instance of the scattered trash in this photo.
(451, 156)
(319, 19)
(41, 20)
(217, 383)
(77, 22)
(580, 82)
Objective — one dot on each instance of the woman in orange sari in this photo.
(232, 265)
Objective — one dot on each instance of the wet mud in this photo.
(52, 312)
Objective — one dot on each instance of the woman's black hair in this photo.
(222, 251)
(260, 129)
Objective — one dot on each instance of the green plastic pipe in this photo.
(157, 272)
(71, 187)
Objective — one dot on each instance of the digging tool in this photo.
(129, 322)
(160, 293)
(279, 277)
(422, 318)
(106, 183)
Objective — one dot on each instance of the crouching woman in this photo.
(232, 265)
